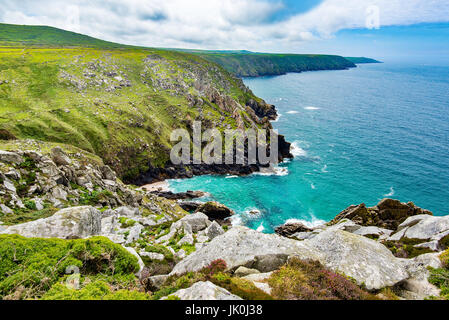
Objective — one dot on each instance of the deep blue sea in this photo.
(359, 135)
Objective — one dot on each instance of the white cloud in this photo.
(225, 24)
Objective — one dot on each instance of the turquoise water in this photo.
(359, 135)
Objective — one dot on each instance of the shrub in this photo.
(309, 280)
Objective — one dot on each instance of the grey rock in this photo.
(9, 186)
(198, 221)
(155, 283)
(239, 247)
(5, 209)
(417, 285)
(268, 262)
(59, 193)
(75, 222)
(373, 231)
(152, 255)
(127, 211)
(204, 291)
(187, 239)
(139, 260)
(134, 233)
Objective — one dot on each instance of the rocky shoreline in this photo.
(64, 200)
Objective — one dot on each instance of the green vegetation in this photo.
(32, 267)
(309, 280)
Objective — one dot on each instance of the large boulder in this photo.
(205, 291)
(387, 214)
(70, 223)
(365, 260)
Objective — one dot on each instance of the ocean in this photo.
(359, 135)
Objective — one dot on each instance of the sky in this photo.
(383, 29)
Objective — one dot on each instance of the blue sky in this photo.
(385, 29)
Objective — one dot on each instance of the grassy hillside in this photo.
(20, 35)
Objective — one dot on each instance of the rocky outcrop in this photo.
(363, 259)
(215, 211)
(387, 214)
(432, 232)
(289, 229)
(70, 223)
(189, 195)
(204, 290)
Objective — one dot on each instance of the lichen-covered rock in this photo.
(424, 227)
(204, 291)
(365, 260)
(417, 286)
(69, 223)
